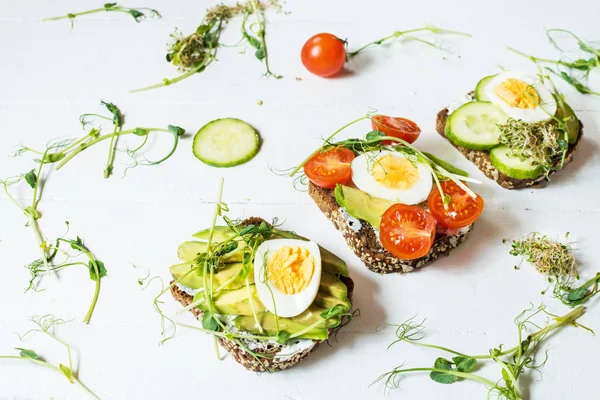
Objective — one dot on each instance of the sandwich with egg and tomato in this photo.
(397, 207)
(516, 128)
(268, 296)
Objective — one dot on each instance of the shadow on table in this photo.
(365, 298)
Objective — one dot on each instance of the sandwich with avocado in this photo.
(268, 296)
(516, 128)
(397, 207)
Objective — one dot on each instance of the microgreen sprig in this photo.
(46, 324)
(557, 262)
(62, 154)
(139, 14)
(35, 180)
(582, 65)
(513, 362)
(407, 34)
(191, 54)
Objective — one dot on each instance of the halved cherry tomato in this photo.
(462, 210)
(324, 54)
(398, 127)
(407, 232)
(329, 168)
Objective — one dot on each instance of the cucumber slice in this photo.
(481, 87)
(513, 166)
(226, 142)
(474, 125)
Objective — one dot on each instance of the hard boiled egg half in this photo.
(521, 97)
(287, 274)
(390, 175)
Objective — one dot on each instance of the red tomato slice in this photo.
(407, 232)
(401, 128)
(324, 54)
(329, 168)
(462, 210)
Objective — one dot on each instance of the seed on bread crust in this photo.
(365, 244)
(482, 160)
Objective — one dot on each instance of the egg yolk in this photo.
(517, 93)
(395, 172)
(291, 269)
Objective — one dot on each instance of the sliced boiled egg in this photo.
(390, 175)
(521, 97)
(287, 274)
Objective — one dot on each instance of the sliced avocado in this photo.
(269, 324)
(330, 262)
(233, 302)
(331, 285)
(228, 275)
(333, 264)
(565, 113)
(328, 301)
(220, 234)
(362, 205)
(188, 251)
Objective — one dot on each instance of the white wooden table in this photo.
(50, 74)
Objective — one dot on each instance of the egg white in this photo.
(362, 178)
(285, 305)
(543, 112)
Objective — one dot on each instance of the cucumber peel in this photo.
(481, 88)
(513, 166)
(226, 142)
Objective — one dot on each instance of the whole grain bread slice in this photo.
(362, 238)
(250, 362)
(481, 159)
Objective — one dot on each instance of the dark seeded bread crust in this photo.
(482, 160)
(366, 245)
(236, 351)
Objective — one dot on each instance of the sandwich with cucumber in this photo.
(397, 207)
(516, 128)
(268, 296)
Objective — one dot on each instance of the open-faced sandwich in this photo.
(514, 128)
(397, 207)
(268, 296)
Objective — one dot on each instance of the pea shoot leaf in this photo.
(260, 53)
(282, 337)
(31, 178)
(101, 270)
(176, 129)
(116, 113)
(137, 15)
(78, 244)
(373, 135)
(27, 353)
(209, 322)
(140, 131)
(464, 364)
(109, 5)
(54, 157)
(441, 377)
(67, 372)
(202, 29)
(333, 311)
(227, 248)
(577, 294)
